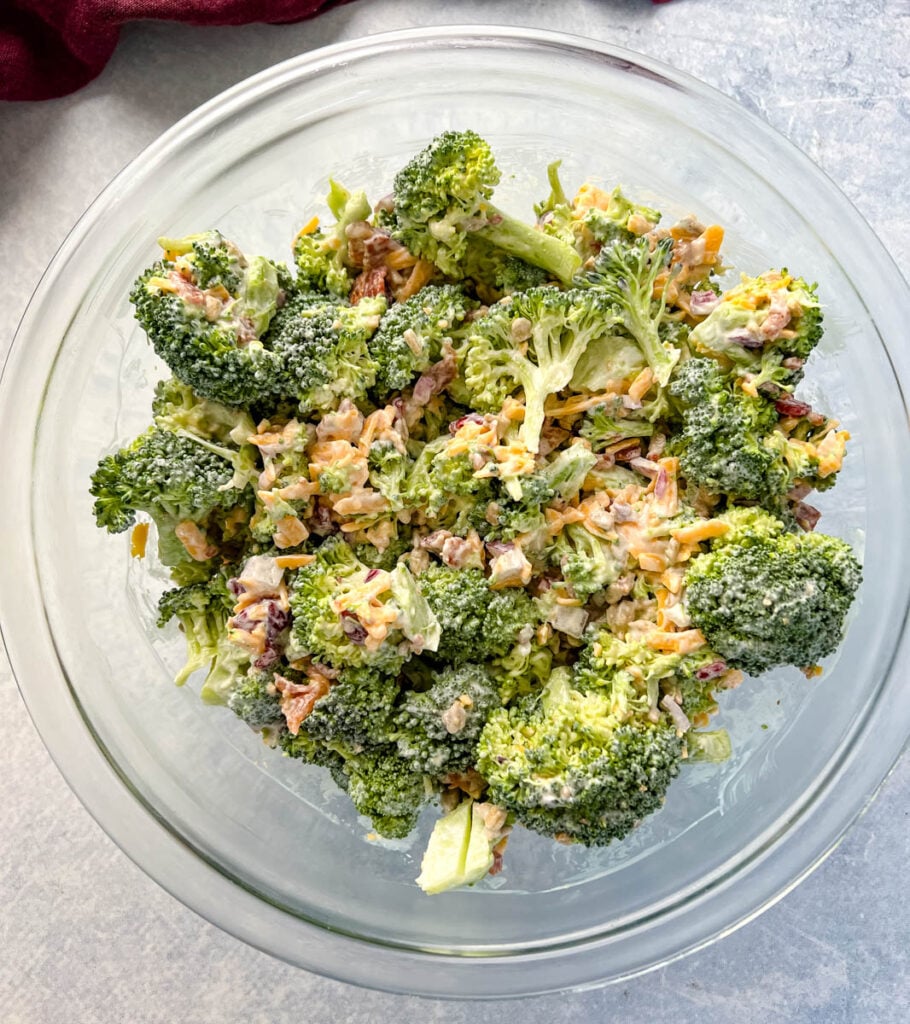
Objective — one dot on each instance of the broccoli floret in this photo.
(494, 273)
(385, 787)
(476, 622)
(626, 275)
(522, 671)
(557, 327)
(202, 609)
(729, 445)
(567, 765)
(205, 308)
(778, 599)
(593, 218)
(256, 701)
(357, 712)
(766, 327)
(442, 197)
(387, 558)
(173, 478)
(609, 422)
(389, 471)
(446, 488)
(321, 257)
(438, 729)
(588, 563)
(323, 349)
(636, 676)
(411, 334)
(176, 407)
(351, 616)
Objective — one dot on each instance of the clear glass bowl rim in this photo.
(781, 862)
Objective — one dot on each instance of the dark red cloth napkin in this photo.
(51, 47)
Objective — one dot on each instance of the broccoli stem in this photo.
(527, 243)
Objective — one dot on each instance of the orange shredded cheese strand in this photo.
(138, 539)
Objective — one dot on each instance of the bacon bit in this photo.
(368, 284)
(138, 539)
(807, 516)
(645, 467)
(469, 781)
(294, 561)
(298, 700)
(194, 541)
(435, 380)
(375, 250)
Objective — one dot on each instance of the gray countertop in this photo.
(84, 935)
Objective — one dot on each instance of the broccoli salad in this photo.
(481, 513)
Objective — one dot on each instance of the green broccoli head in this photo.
(170, 477)
(729, 442)
(321, 257)
(351, 616)
(205, 308)
(774, 599)
(357, 712)
(446, 488)
(557, 326)
(587, 562)
(386, 788)
(626, 274)
(256, 701)
(476, 622)
(766, 327)
(411, 334)
(437, 729)
(442, 198)
(608, 422)
(323, 349)
(202, 609)
(566, 765)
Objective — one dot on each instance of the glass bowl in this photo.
(265, 847)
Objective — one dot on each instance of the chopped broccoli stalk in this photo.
(437, 729)
(713, 746)
(567, 765)
(779, 599)
(557, 326)
(460, 850)
(442, 198)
